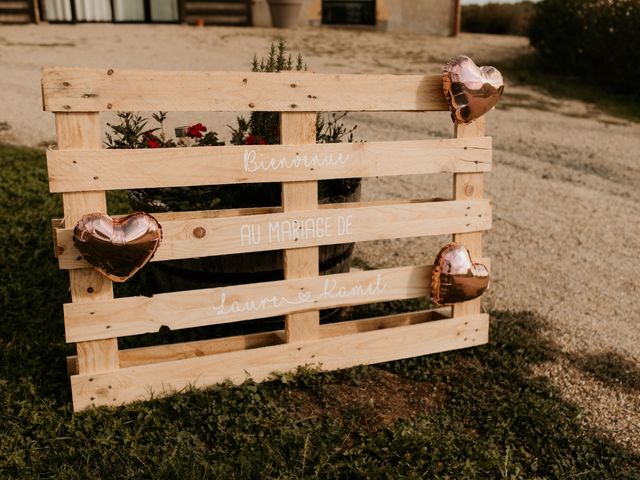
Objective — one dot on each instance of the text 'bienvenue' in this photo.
(315, 160)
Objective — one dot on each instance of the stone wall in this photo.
(434, 17)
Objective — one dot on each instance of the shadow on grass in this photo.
(526, 70)
(476, 413)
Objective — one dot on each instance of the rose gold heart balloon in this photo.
(455, 277)
(117, 248)
(471, 91)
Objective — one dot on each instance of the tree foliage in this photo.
(594, 39)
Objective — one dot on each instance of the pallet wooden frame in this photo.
(82, 171)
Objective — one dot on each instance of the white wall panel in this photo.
(93, 10)
(164, 11)
(128, 10)
(58, 10)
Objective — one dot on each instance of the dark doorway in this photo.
(156, 11)
(349, 12)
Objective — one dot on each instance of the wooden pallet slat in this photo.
(300, 263)
(110, 169)
(82, 130)
(469, 186)
(214, 306)
(100, 90)
(275, 231)
(187, 309)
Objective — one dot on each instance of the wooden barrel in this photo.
(224, 270)
(194, 273)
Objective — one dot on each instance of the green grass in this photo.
(527, 70)
(477, 413)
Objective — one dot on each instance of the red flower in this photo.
(254, 140)
(195, 131)
(152, 143)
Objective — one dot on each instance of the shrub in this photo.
(595, 39)
(497, 18)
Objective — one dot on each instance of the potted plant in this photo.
(285, 13)
(260, 128)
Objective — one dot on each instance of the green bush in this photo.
(498, 18)
(596, 40)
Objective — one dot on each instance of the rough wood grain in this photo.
(469, 186)
(195, 308)
(136, 315)
(81, 130)
(179, 351)
(111, 89)
(300, 128)
(195, 237)
(140, 382)
(113, 169)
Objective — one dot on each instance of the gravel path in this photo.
(565, 184)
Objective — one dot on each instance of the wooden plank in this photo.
(87, 286)
(179, 351)
(163, 217)
(284, 230)
(113, 169)
(142, 382)
(300, 128)
(195, 308)
(112, 89)
(469, 186)
(58, 223)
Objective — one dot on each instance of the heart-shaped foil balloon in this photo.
(117, 248)
(471, 91)
(455, 277)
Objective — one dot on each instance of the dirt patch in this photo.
(386, 398)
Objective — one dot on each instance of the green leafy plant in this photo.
(264, 127)
(261, 128)
(132, 132)
(498, 18)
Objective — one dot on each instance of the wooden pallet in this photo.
(231, 13)
(17, 11)
(82, 171)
